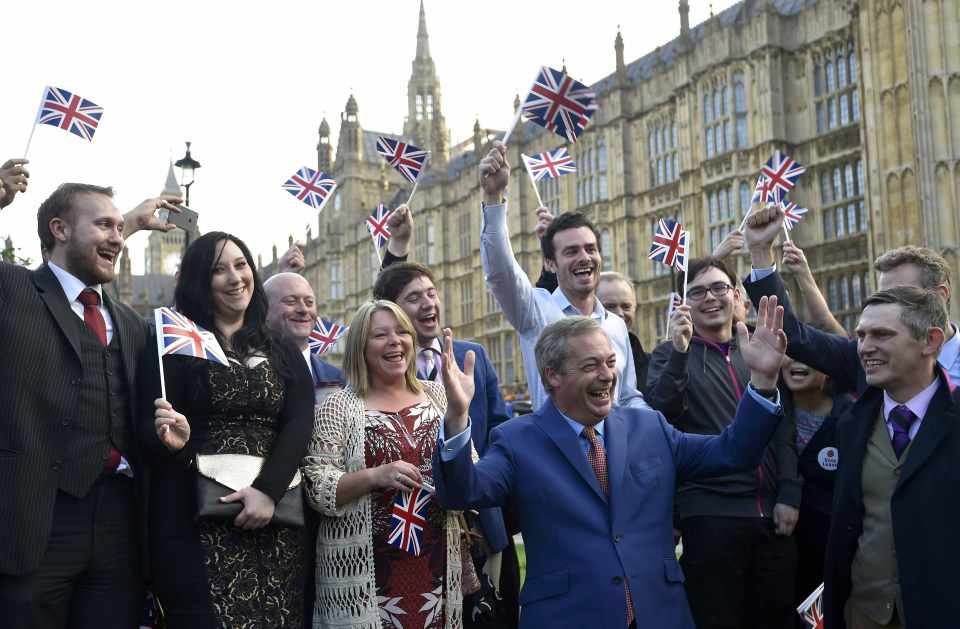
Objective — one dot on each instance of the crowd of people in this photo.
(713, 482)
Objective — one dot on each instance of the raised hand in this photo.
(681, 328)
(763, 351)
(144, 215)
(458, 384)
(495, 173)
(544, 218)
(400, 225)
(14, 177)
(731, 244)
(794, 260)
(762, 228)
(292, 260)
(172, 428)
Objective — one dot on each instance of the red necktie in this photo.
(93, 319)
(597, 457)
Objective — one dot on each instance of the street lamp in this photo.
(187, 166)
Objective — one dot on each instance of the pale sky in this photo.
(248, 84)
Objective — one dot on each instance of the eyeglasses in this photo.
(719, 289)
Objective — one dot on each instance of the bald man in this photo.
(293, 313)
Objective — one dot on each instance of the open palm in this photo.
(763, 350)
(458, 383)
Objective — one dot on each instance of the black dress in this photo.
(213, 574)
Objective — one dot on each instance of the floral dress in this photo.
(409, 580)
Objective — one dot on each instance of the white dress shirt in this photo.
(529, 310)
(72, 287)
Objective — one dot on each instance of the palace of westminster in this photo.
(864, 93)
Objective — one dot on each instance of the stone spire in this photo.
(171, 186)
(618, 49)
(425, 125)
(685, 18)
(324, 150)
(350, 144)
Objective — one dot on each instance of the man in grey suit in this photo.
(72, 531)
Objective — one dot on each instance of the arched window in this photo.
(744, 198)
(606, 249)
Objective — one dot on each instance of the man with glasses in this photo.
(738, 557)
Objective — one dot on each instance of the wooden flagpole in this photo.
(158, 321)
(532, 180)
(417, 183)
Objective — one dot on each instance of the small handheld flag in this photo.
(409, 516)
(377, 224)
(70, 112)
(792, 213)
(557, 103)
(311, 186)
(811, 610)
(549, 164)
(406, 159)
(782, 173)
(669, 244)
(176, 334)
(325, 334)
(675, 300)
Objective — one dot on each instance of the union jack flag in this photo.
(675, 300)
(811, 610)
(311, 186)
(377, 224)
(761, 192)
(549, 164)
(669, 244)
(407, 159)
(70, 112)
(324, 335)
(409, 516)
(782, 172)
(180, 335)
(559, 103)
(792, 213)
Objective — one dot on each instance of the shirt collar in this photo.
(435, 346)
(950, 350)
(564, 304)
(918, 403)
(72, 287)
(577, 427)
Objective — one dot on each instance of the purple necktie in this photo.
(901, 418)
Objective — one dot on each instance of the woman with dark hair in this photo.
(244, 571)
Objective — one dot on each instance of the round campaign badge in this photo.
(828, 458)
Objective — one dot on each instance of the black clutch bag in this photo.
(220, 475)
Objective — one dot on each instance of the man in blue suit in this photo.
(411, 286)
(593, 487)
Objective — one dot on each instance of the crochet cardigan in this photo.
(345, 575)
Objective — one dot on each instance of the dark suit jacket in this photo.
(925, 509)
(325, 372)
(580, 543)
(831, 354)
(39, 377)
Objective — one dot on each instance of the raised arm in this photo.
(14, 177)
(504, 276)
(795, 261)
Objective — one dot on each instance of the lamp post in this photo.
(188, 167)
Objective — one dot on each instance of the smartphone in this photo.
(185, 219)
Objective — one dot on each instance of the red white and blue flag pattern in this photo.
(781, 172)
(311, 186)
(559, 104)
(761, 191)
(811, 610)
(669, 244)
(407, 159)
(324, 335)
(792, 213)
(377, 224)
(409, 516)
(70, 112)
(180, 335)
(675, 300)
(549, 164)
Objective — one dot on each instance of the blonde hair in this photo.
(355, 368)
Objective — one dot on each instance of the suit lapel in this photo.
(615, 439)
(56, 301)
(936, 425)
(556, 427)
(853, 432)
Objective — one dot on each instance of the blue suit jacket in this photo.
(580, 544)
(324, 371)
(487, 411)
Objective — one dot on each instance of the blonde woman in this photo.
(372, 443)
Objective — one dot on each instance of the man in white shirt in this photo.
(571, 249)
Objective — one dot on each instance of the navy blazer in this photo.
(487, 411)
(924, 509)
(831, 354)
(580, 544)
(325, 372)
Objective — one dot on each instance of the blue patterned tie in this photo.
(901, 419)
